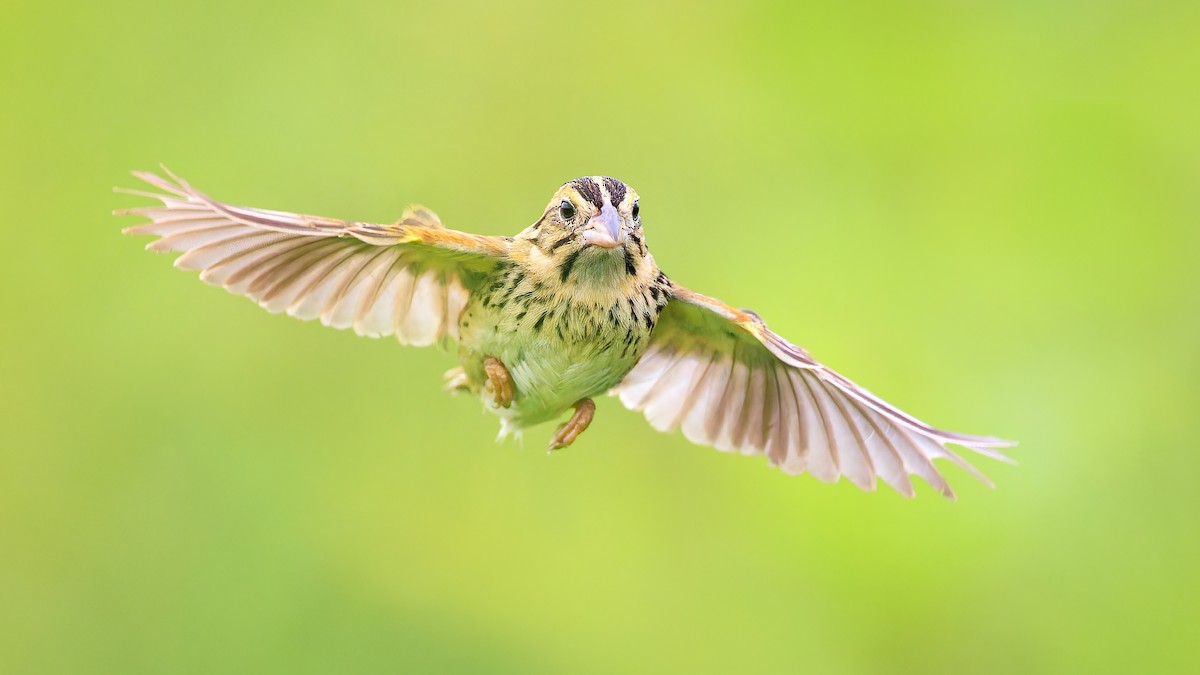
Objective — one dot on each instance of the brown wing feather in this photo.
(410, 279)
(728, 381)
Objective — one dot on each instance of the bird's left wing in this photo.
(410, 279)
(728, 381)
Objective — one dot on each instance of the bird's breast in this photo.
(559, 346)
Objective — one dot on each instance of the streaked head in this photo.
(593, 211)
(591, 232)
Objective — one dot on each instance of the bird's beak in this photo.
(604, 230)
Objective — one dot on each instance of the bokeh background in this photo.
(987, 212)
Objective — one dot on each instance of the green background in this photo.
(988, 213)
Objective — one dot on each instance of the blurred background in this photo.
(985, 212)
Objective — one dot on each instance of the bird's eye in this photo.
(566, 210)
(636, 211)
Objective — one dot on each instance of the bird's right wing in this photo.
(410, 279)
(730, 382)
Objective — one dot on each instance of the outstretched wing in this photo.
(410, 279)
(728, 381)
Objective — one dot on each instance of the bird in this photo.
(571, 308)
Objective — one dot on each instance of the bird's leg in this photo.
(585, 410)
(499, 382)
(456, 380)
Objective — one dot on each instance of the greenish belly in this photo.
(551, 369)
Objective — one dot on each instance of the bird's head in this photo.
(593, 211)
(592, 223)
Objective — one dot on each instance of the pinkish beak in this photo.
(604, 230)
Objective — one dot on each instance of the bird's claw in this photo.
(456, 380)
(499, 382)
(566, 434)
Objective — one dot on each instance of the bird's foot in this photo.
(456, 380)
(499, 382)
(585, 410)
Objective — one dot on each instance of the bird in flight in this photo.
(572, 307)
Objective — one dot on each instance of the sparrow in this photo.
(572, 307)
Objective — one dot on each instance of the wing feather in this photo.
(719, 400)
(666, 397)
(750, 437)
(636, 386)
(194, 234)
(731, 412)
(798, 417)
(731, 383)
(411, 279)
(823, 461)
(707, 386)
(857, 461)
(374, 317)
(775, 446)
(870, 443)
(687, 415)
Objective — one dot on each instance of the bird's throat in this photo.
(593, 265)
